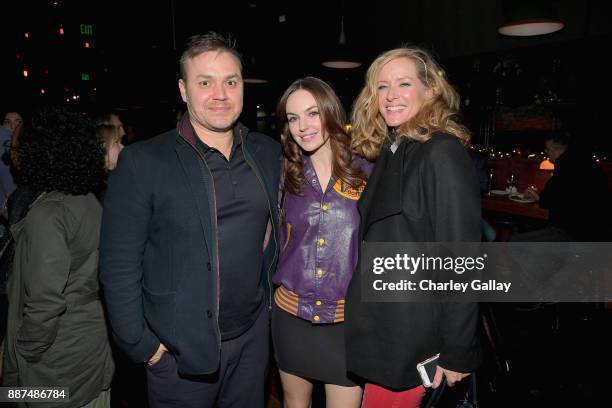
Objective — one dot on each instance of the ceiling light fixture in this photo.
(530, 18)
(341, 57)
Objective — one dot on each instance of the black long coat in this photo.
(425, 192)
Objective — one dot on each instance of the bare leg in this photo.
(297, 392)
(337, 396)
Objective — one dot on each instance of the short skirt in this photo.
(315, 352)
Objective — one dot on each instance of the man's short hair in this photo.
(211, 41)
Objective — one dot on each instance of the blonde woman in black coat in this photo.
(423, 189)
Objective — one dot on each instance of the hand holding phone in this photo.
(427, 369)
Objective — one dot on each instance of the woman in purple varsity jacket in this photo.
(323, 180)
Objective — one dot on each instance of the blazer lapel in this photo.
(199, 186)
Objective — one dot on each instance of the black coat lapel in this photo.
(383, 194)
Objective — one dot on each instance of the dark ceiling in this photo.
(136, 46)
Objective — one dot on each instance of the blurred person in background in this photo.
(56, 333)
(577, 195)
(11, 129)
(111, 119)
(12, 120)
(110, 137)
(10, 132)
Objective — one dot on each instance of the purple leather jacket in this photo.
(319, 238)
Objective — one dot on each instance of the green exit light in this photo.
(84, 77)
(87, 29)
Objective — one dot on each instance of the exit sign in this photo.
(84, 77)
(87, 29)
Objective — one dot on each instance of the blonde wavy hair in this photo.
(437, 114)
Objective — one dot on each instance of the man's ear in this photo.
(181, 85)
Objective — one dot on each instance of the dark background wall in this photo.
(134, 47)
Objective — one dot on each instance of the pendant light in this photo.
(341, 58)
(530, 18)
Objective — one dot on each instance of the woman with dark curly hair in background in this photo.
(56, 332)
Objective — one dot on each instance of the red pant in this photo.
(375, 396)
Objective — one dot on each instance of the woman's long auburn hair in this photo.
(333, 119)
(437, 114)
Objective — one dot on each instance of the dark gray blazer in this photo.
(158, 258)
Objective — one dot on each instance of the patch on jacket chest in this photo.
(345, 190)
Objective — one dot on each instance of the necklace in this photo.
(391, 140)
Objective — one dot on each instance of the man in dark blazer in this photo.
(190, 240)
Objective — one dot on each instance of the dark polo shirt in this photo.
(242, 215)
